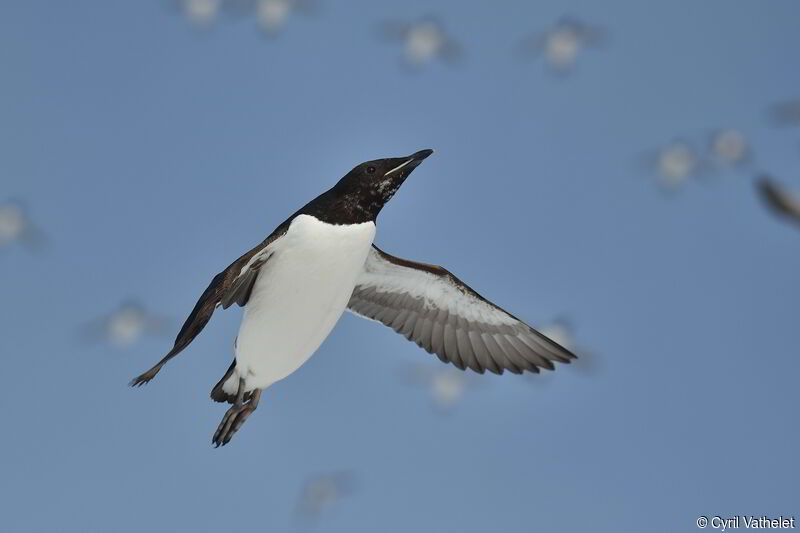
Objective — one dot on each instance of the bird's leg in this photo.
(236, 415)
(247, 409)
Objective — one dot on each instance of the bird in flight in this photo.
(296, 284)
(782, 201)
(561, 45)
(125, 325)
(16, 226)
(424, 40)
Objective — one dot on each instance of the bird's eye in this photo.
(370, 170)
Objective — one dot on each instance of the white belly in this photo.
(298, 297)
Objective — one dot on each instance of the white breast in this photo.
(298, 297)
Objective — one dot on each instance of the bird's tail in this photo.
(226, 388)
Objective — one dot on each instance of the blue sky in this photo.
(153, 153)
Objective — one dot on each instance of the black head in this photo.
(361, 193)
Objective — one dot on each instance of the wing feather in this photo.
(232, 285)
(434, 309)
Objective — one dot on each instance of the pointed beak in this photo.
(410, 163)
(415, 159)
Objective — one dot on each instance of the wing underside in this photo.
(431, 307)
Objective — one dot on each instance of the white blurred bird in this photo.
(125, 325)
(445, 385)
(201, 13)
(675, 163)
(272, 15)
(561, 45)
(424, 41)
(729, 147)
(323, 492)
(16, 226)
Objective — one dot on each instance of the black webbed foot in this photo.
(235, 416)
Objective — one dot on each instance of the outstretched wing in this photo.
(232, 285)
(430, 306)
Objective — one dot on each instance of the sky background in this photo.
(152, 153)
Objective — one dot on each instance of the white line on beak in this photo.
(399, 167)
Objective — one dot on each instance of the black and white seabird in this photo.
(296, 284)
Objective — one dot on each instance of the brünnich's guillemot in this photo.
(296, 284)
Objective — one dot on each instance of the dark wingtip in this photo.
(137, 382)
(143, 379)
(566, 356)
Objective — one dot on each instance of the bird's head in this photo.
(373, 183)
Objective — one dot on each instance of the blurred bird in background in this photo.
(201, 13)
(272, 15)
(674, 163)
(786, 113)
(321, 493)
(16, 226)
(679, 161)
(126, 325)
(424, 41)
(729, 148)
(561, 45)
(446, 386)
(782, 202)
